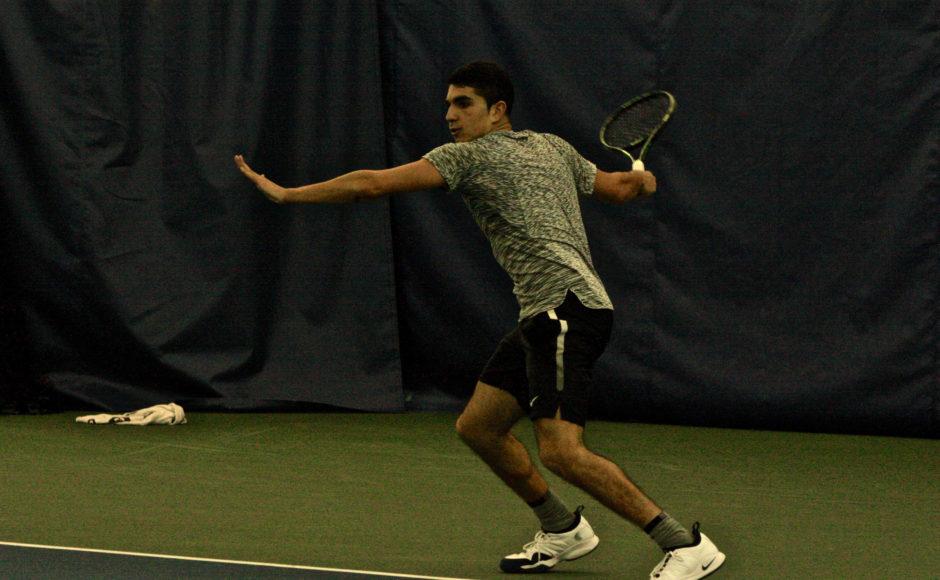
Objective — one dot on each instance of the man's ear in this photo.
(498, 109)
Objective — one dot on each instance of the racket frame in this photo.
(638, 160)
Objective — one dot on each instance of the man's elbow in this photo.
(372, 185)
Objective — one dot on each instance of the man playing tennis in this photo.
(522, 188)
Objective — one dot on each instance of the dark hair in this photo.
(488, 79)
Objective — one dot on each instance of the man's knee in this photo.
(474, 430)
(490, 414)
(466, 429)
(561, 448)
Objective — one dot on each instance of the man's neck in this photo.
(505, 126)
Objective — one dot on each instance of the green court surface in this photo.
(401, 494)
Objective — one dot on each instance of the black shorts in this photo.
(547, 361)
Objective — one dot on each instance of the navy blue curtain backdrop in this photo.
(786, 276)
(146, 268)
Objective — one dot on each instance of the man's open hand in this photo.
(273, 191)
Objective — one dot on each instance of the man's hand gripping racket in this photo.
(635, 123)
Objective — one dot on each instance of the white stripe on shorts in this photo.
(559, 352)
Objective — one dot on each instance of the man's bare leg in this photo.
(562, 450)
(485, 426)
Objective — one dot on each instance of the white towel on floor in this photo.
(168, 414)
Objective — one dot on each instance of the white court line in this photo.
(220, 561)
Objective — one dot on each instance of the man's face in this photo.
(467, 116)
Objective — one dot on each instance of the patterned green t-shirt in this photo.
(522, 188)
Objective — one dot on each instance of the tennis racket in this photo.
(637, 121)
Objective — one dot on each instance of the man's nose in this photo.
(449, 116)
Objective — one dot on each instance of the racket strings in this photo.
(634, 123)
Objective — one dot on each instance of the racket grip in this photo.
(638, 165)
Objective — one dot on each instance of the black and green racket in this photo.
(636, 122)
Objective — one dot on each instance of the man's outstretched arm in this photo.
(354, 186)
(623, 185)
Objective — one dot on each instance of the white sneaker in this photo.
(690, 562)
(547, 549)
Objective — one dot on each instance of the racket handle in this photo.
(638, 165)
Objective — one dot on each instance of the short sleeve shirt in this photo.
(522, 189)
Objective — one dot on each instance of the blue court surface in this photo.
(30, 561)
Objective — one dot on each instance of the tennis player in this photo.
(523, 190)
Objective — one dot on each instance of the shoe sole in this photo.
(573, 553)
